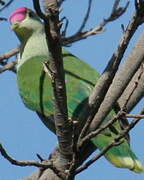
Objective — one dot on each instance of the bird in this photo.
(35, 87)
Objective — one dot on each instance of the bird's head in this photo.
(24, 22)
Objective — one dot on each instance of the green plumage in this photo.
(36, 90)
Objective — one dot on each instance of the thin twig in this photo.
(39, 157)
(115, 14)
(3, 19)
(91, 161)
(2, 2)
(9, 66)
(140, 116)
(60, 2)
(48, 164)
(63, 33)
(85, 19)
(44, 164)
(121, 114)
(8, 54)
(72, 167)
(117, 11)
(6, 5)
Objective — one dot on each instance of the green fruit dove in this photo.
(36, 90)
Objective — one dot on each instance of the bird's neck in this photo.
(35, 45)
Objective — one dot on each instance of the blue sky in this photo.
(21, 131)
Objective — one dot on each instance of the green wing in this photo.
(36, 91)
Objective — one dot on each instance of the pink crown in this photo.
(18, 15)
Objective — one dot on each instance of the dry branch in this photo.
(120, 115)
(6, 5)
(8, 54)
(4, 60)
(3, 19)
(9, 66)
(79, 35)
(85, 19)
(47, 164)
(60, 2)
(138, 93)
(120, 82)
(135, 85)
(44, 164)
(140, 116)
(103, 84)
(2, 2)
(55, 63)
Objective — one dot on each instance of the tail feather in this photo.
(121, 155)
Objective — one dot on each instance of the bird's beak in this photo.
(14, 25)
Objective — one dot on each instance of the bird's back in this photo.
(36, 89)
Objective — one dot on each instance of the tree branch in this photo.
(120, 115)
(4, 60)
(85, 19)
(9, 66)
(2, 2)
(135, 85)
(137, 94)
(47, 164)
(79, 35)
(6, 5)
(140, 116)
(60, 2)
(120, 81)
(3, 19)
(55, 63)
(8, 54)
(104, 82)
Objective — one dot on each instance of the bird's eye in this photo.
(31, 14)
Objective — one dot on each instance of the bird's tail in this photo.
(120, 155)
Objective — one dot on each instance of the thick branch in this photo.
(120, 82)
(137, 94)
(103, 84)
(55, 63)
(120, 115)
